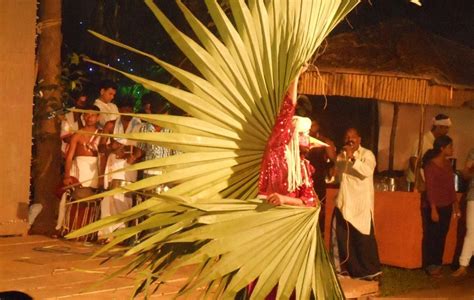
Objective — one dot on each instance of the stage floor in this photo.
(46, 268)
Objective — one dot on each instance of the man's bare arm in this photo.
(69, 157)
(278, 199)
(331, 150)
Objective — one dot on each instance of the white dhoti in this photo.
(86, 170)
(118, 203)
(113, 164)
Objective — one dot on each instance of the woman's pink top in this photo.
(439, 185)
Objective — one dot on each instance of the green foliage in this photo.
(73, 76)
(136, 91)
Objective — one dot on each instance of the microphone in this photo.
(349, 144)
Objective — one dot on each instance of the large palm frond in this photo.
(244, 71)
(230, 243)
(244, 74)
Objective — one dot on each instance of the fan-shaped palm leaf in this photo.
(244, 72)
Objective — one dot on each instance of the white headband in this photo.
(302, 124)
(442, 122)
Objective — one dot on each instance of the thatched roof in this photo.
(394, 61)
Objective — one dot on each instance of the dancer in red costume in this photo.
(276, 167)
(282, 162)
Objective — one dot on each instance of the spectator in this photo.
(468, 246)
(72, 121)
(437, 203)
(120, 153)
(82, 159)
(153, 99)
(153, 151)
(107, 91)
(440, 126)
(354, 212)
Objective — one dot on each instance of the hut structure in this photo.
(414, 74)
(395, 61)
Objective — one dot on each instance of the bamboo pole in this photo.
(420, 150)
(396, 109)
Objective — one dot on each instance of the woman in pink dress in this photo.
(438, 203)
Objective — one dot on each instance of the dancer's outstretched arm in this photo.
(278, 199)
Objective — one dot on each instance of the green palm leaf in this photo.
(244, 71)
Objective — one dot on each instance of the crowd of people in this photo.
(352, 234)
(439, 203)
(91, 162)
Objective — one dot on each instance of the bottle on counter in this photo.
(392, 185)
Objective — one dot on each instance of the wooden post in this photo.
(420, 149)
(393, 132)
(47, 156)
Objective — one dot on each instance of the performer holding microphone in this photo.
(354, 212)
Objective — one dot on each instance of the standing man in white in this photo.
(439, 126)
(354, 212)
(107, 91)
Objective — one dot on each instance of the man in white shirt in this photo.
(440, 126)
(354, 212)
(107, 91)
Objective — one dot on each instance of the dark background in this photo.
(131, 22)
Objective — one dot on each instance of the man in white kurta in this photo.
(356, 244)
(107, 91)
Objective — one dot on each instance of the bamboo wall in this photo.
(17, 76)
(392, 88)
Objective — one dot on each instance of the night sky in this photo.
(131, 22)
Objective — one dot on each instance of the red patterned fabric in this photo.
(274, 170)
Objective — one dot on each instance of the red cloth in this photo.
(274, 169)
(439, 185)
